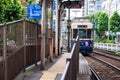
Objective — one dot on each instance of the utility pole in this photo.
(43, 32)
(109, 21)
(68, 26)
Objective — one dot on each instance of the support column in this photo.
(5, 51)
(24, 22)
(51, 50)
(43, 32)
(56, 35)
(51, 40)
(59, 50)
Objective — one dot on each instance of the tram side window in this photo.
(74, 33)
(89, 33)
(82, 33)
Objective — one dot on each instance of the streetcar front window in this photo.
(82, 33)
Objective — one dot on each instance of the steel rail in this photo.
(94, 76)
(107, 63)
(108, 55)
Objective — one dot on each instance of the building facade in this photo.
(92, 6)
(110, 6)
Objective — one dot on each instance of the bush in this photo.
(118, 53)
(103, 40)
(109, 41)
(96, 40)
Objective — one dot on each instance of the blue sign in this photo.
(54, 24)
(34, 12)
(54, 4)
(95, 24)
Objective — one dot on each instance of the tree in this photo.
(102, 23)
(97, 15)
(91, 17)
(115, 22)
(10, 10)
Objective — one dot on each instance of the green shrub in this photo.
(103, 40)
(118, 53)
(109, 41)
(96, 40)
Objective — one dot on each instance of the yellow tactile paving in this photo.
(57, 68)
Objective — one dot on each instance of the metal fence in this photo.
(108, 46)
(20, 47)
(72, 65)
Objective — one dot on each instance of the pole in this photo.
(109, 22)
(69, 30)
(51, 40)
(5, 52)
(43, 32)
(56, 39)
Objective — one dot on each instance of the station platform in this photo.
(56, 70)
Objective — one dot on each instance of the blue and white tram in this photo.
(85, 29)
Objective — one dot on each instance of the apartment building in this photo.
(110, 6)
(92, 6)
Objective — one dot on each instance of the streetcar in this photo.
(84, 28)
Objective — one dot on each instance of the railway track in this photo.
(107, 52)
(108, 58)
(94, 75)
(106, 72)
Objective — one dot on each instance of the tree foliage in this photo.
(10, 10)
(30, 1)
(102, 22)
(91, 17)
(115, 22)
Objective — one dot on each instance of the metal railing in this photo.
(107, 46)
(72, 65)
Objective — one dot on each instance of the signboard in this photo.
(54, 24)
(68, 24)
(54, 4)
(34, 12)
(95, 24)
(54, 15)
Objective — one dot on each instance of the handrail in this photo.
(66, 70)
(72, 65)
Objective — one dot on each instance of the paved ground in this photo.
(53, 71)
